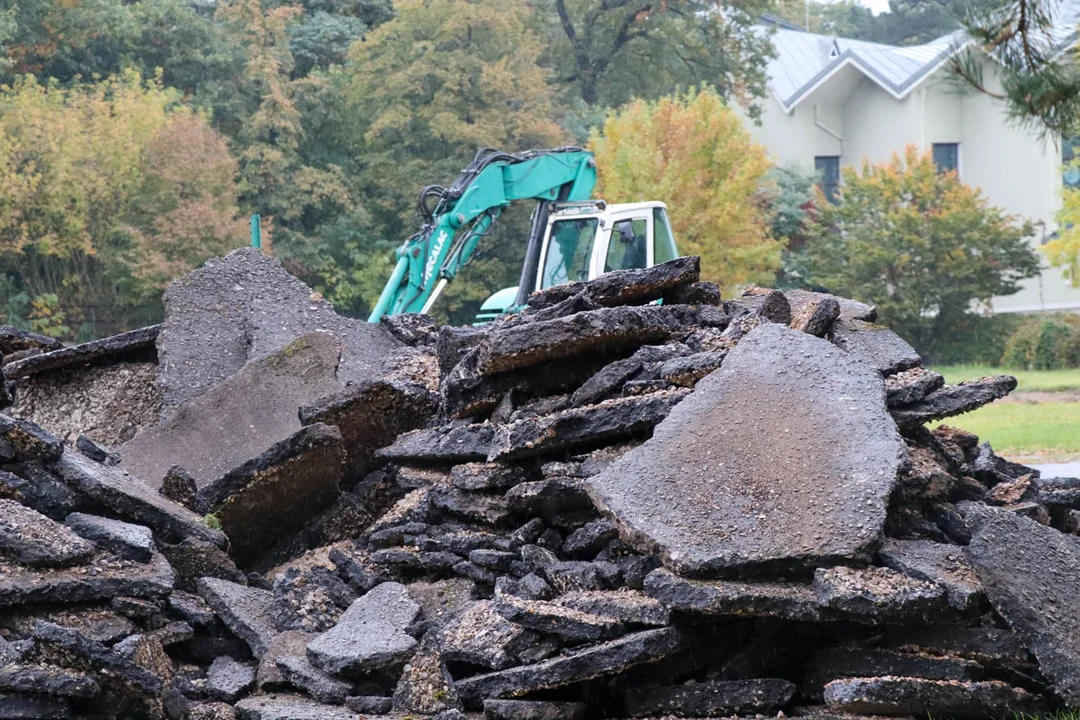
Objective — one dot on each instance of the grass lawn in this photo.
(1040, 380)
(1046, 431)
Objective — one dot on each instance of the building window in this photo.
(947, 157)
(1070, 161)
(828, 172)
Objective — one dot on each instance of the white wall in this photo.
(1016, 170)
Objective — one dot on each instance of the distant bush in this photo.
(1044, 343)
(975, 340)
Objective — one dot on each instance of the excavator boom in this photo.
(464, 212)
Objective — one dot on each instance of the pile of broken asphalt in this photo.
(602, 507)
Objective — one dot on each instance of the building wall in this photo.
(1016, 170)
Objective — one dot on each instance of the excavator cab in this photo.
(583, 240)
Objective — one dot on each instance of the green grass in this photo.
(1047, 431)
(1032, 380)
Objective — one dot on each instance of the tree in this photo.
(919, 244)
(1039, 80)
(693, 151)
(428, 89)
(1064, 250)
(844, 18)
(107, 191)
(611, 51)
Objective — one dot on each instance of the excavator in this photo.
(572, 236)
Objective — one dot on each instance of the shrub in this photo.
(1044, 343)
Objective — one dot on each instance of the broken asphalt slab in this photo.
(625, 287)
(597, 661)
(245, 306)
(1029, 573)
(133, 500)
(954, 400)
(786, 453)
(103, 576)
(240, 418)
(135, 346)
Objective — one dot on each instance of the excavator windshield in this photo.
(569, 252)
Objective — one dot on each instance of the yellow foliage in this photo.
(692, 152)
(1064, 250)
(109, 183)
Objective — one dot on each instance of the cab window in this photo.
(627, 247)
(663, 238)
(569, 251)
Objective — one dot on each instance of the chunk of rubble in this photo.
(488, 509)
(1029, 574)
(126, 344)
(607, 421)
(131, 542)
(244, 610)
(849, 309)
(13, 340)
(625, 287)
(322, 686)
(954, 400)
(944, 565)
(608, 658)
(573, 626)
(290, 707)
(699, 293)
(529, 343)
(447, 445)
(371, 635)
(96, 451)
(291, 643)
(133, 500)
(425, 686)
(879, 593)
(22, 440)
(911, 386)
(816, 317)
(47, 680)
(311, 599)
(227, 679)
(40, 490)
(791, 601)
(245, 306)
(786, 452)
(58, 643)
(103, 576)
(194, 559)
(767, 304)
(241, 417)
(371, 415)
(917, 696)
(986, 645)
(711, 699)
(876, 345)
(834, 663)
(276, 493)
(627, 606)
(180, 487)
(481, 636)
(612, 376)
(34, 540)
(486, 476)
(686, 371)
(1063, 492)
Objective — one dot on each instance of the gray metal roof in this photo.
(805, 60)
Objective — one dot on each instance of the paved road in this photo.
(1071, 469)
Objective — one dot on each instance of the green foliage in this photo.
(1039, 85)
(694, 151)
(613, 52)
(211, 521)
(322, 40)
(427, 89)
(1044, 343)
(920, 245)
(907, 22)
(106, 192)
(1064, 250)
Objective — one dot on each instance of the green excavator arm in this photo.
(464, 212)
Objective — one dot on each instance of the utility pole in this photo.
(807, 15)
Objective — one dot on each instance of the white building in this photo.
(835, 102)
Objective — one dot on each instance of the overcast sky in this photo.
(876, 6)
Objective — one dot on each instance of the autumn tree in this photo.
(920, 244)
(693, 152)
(431, 87)
(106, 192)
